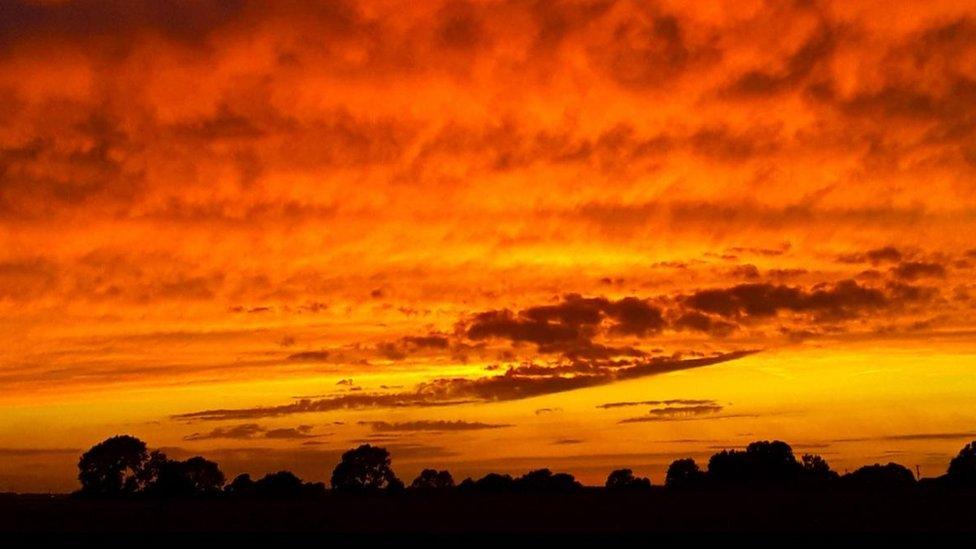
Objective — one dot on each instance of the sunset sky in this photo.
(488, 236)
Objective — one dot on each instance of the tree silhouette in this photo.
(278, 485)
(113, 467)
(432, 479)
(366, 468)
(194, 477)
(241, 486)
(962, 468)
(544, 480)
(880, 477)
(684, 473)
(762, 462)
(815, 469)
(150, 471)
(624, 479)
(492, 482)
(282, 484)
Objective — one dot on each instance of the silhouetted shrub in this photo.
(684, 473)
(113, 467)
(241, 486)
(282, 485)
(544, 480)
(492, 482)
(366, 468)
(194, 477)
(762, 463)
(624, 479)
(879, 477)
(816, 470)
(962, 468)
(432, 479)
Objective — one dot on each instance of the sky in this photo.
(488, 236)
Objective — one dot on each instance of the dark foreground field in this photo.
(589, 511)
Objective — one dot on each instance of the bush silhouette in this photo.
(492, 482)
(279, 485)
(544, 480)
(815, 469)
(962, 468)
(761, 463)
(880, 477)
(432, 479)
(241, 486)
(194, 477)
(684, 473)
(366, 468)
(624, 479)
(113, 467)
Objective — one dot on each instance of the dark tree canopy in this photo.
(816, 469)
(281, 483)
(113, 467)
(366, 468)
(683, 473)
(624, 479)
(962, 468)
(194, 477)
(880, 477)
(539, 480)
(242, 485)
(492, 482)
(278, 485)
(762, 462)
(544, 480)
(432, 479)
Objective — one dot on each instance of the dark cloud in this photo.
(843, 299)
(455, 391)
(570, 325)
(300, 432)
(645, 50)
(685, 417)
(748, 272)
(700, 322)
(685, 410)
(767, 252)
(798, 67)
(513, 386)
(309, 356)
(965, 435)
(887, 254)
(406, 346)
(306, 405)
(432, 425)
(913, 270)
(253, 430)
(668, 402)
(428, 342)
(676, 410)
(91, 20)
(245, 431)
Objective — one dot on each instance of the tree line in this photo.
(123, 466)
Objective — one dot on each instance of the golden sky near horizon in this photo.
(489, 236)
